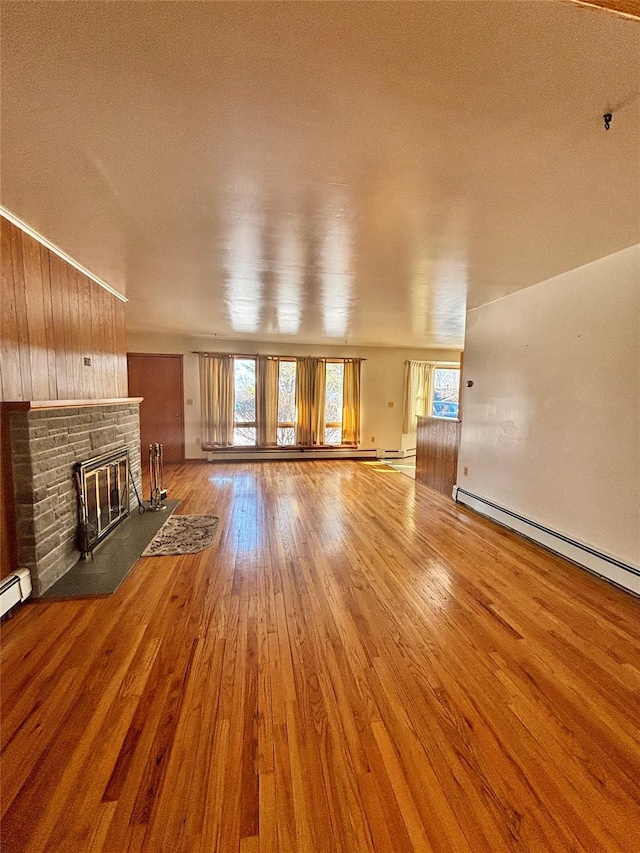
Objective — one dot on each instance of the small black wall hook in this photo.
(607, 120)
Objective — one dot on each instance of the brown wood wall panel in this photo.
(52, 317)
(24, 387)
(437, 453)
(48, 323)
(9, 354)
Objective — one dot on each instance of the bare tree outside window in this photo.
(333, 403)
(446, 392)
(244, 433)
(286, 402)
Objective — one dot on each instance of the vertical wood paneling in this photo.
(37, 344)
(57, 302)
(10, 376)
(121, 348)
(105, 319)
(74, 279)
(52, 317)
(48, 323)
(22, 329)
(84, 329)
(95, 340)
(67, 353)
(111, 338)
(437, 453)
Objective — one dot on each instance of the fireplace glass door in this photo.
(105, 491)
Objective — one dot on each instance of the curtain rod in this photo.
(270, 355)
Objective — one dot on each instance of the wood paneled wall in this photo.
(437, 453)
(52, 318)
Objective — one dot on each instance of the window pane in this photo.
(446, 390)
(244, 436)
(245, 386)
(286, 435)
(333, 435)
(287, 393)
(333, 408)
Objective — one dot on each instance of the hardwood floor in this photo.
(356, 664)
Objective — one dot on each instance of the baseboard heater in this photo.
(14, 589)
(294, 453)
(303, 453)
(622, 574)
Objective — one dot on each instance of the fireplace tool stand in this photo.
(158, 493)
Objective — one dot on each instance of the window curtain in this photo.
(267, 401)
(351, 401)
(217, 399)
(310, 400)
(418, 382)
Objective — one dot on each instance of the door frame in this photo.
(180, 357)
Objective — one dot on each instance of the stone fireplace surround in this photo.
(47, 438)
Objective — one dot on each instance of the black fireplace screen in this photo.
(103, 482)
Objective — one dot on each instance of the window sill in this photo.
(438, 418)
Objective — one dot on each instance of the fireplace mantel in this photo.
(33, 405)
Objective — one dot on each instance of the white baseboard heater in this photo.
(601, 564)
(14, 589)
(294, 453)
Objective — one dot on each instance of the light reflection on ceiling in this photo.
(289, 280)
(317, 171)
(244, 268)
(337, 271)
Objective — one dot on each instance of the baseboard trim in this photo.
(604, 565)
(297, 454)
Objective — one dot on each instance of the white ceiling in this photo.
(321, 171)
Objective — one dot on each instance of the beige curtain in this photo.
(351, 401)
(304, 400)
(267, 401)
(310, 400)
(319, 399)
(217, 399)
(418, 380)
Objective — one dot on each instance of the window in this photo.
(333, 403)
(286, 402)
(267, 415)
(244, 417)
(446, 392)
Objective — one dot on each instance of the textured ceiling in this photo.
(324, 171)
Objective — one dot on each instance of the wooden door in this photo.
(158, 378)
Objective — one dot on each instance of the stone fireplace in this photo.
(47, 440)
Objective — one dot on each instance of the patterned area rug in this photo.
(183, 534)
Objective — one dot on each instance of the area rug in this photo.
(183, 534)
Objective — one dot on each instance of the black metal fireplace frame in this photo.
(89, 475)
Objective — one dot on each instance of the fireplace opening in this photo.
(103, 493)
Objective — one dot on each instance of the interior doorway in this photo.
(158, 378)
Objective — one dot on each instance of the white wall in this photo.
(382, 380)
(551, 426)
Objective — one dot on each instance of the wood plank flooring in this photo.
(356, 665)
